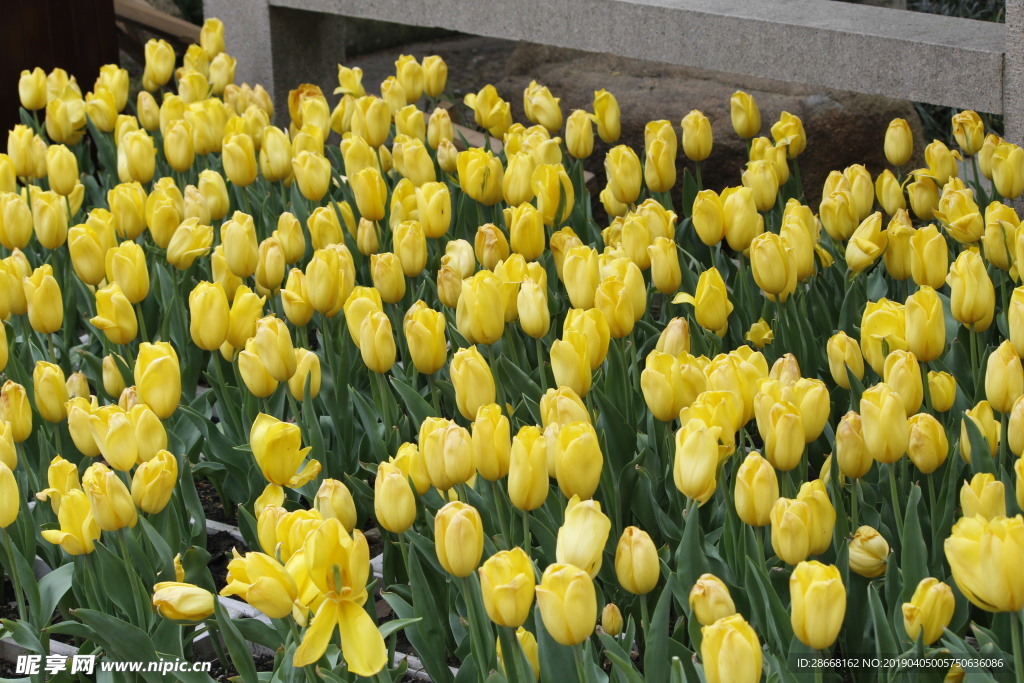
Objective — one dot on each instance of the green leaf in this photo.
(122, 641)
(656, 660)
(620, 659)
(885, 641)
(52, 588)
(241, 656)
(419, 409)
(24, 634)
(557, 664)
(914, 556)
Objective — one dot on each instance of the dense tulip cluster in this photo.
(582, 449)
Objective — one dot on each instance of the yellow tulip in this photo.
(791, 530)
(730, 651)
(742, 221)
(818, 603)
(492, 443)
(154, 482)
(507, 584)
(929, 611)
(1004, 377)
(582, 537)
(607, 116)
(528, 471)
(984, 496)
(883, 321)
(697, 138)
(568, 603)
(111, 502)
(622, 167)
(972, 295)
(158, 377)
(983, 417)
(711, 303)
(578, 460)
(480, 175)
(44, 300)
(480, 313)
(277, 448)
(579, 134)
(710, 600)
(636, 561)
(458, 538)
(757, 489)
(182, 601)
(746, 117)
(696, 460)
(985, 558)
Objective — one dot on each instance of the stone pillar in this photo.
(280, 48)
(246, 38)
(1013, 72)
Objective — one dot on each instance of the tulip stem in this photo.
(581, 667)
(142, 321)
(476, 646)
(974, 361)
(818, 676)
(1018, 646)
(527, 542)
(645, 617)
(895, 501)
(540, 365)
(15, 578)
(855, 503)
(140, 612)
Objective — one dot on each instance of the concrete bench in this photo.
(874, 50)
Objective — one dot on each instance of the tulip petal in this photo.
(361, 642)
(314, 643)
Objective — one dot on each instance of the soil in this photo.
(9, 608)
(213, 508)
(219, 546)
(263, 662)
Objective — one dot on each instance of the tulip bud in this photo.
(209, 312)
(50, 391)
(710, 600)
(929, 611)
(818, 603)
(254, 373)
(571, 363)
(158, 377)
(154, 482)
(757, 489)
(746, 117)
(730, 651)
(182, 601)
(507, 586)
(636, 561)
(982, 556)
(622, 167)
(696, 460)
(984, 419)
(578, 460)
(45, 303)
(984, 495)
(1004, 377)
(868, 552)
(480, 313)
(711, 302)
(458, 538)
(528, 475)
(899, 142)
(111, 502)
(333, 500)
(791, 530)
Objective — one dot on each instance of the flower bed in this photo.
(708, 441)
